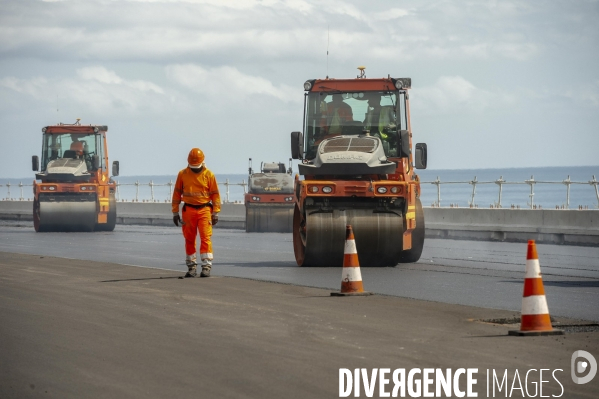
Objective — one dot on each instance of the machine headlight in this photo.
(256, 198)
(83, 188)
(394, 189)
(51, 188)
(314, 189)
(307, 85)
(403, 83)
(95, 130)
(288, 198)
(327, 190)
(381, 190)
(43, 130)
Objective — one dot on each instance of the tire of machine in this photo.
(299, 247)
(413, 255)
(111, 222)
(36, 216)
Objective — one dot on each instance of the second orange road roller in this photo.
(269, 201)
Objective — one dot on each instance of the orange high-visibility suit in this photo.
(199, 192)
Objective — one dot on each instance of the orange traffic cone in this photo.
(535, 318)
(351, 278)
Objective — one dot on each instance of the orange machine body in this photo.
(332, 188)
(93, 185)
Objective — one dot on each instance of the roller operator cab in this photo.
(269, 202)
(357, 165)
(73, 190)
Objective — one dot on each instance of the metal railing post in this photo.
(152, 190)
(567, 182)
(438, 184)
(21, 187)
(499, 182)
(594, 182)
(473, 182)
(531, 182)
(136, 191)
(227, 185)
(8, 193)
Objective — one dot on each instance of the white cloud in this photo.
(226, 83)
(33, 87)
(456, 94)
(393, 13)
(103, 75)
(97, 88)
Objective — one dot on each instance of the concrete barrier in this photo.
(554, 226)
(571, 227)
(232, 216)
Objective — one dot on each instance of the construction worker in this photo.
(76, 145)
(337, 112)
(378, 118)
(197, 187)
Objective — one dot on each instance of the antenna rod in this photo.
(328, 40)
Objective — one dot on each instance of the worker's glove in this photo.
(214, 219)
(176, 219)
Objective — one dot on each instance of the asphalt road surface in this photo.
(474, 273)
(73, 329)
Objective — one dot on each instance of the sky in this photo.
(495, 84)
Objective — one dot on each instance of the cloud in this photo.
(226, 83)
(457, 95)
(103, 75)
(95, 88)
(263, 31)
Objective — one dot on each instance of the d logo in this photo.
(580, 366)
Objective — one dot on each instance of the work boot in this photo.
(192, 272)
(206, 266)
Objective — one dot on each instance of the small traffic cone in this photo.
(351, 278)
(535, 318)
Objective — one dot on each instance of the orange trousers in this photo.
(194, 221)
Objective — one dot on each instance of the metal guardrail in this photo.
(501, 182)
(8, 195)
(137, 184)
(170, 185)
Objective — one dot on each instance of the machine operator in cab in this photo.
(196, 186)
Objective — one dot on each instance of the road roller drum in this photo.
(67, 216)
(320, 237)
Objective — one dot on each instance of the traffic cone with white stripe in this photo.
(351, 278)
(535, 318)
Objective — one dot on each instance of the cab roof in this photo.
(358, 84)
(60, 128)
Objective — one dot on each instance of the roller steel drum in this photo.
(262, 218)
(321, 241)
(65, 216)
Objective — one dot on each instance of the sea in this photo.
(549, 190)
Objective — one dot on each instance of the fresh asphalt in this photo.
(474, 273)
(82, 329)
